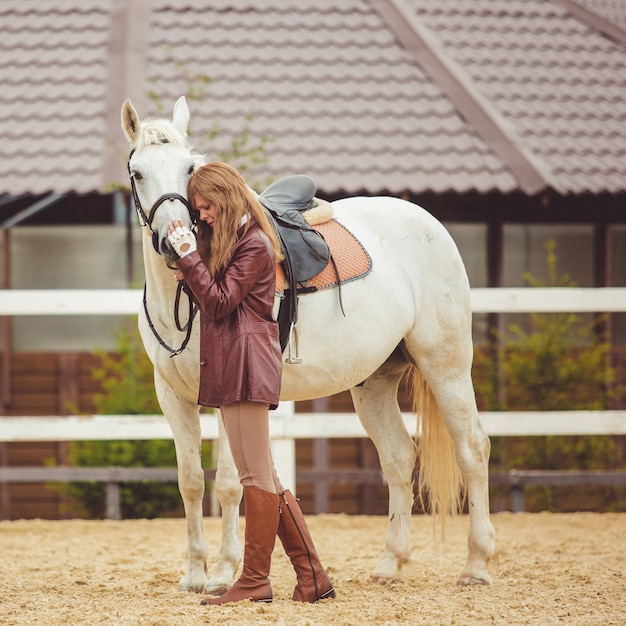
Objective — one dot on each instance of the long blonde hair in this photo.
(222, 185)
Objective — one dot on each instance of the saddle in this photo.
(305, 250)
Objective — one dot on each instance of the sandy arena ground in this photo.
(551, 569)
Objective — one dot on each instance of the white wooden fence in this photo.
(487, 300)
(285, 425)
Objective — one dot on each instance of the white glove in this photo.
(182, 240)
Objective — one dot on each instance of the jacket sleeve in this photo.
(219, 298)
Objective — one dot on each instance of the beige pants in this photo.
(247, 427)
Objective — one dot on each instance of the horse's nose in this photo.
(163, 247)
(167, 250)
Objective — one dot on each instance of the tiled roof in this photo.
(53, 73)
(366, 96)
(557, 84)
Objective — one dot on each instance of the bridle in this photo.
(146, 220)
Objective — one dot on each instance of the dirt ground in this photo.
(551, 569)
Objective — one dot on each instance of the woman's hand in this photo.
(181, 238)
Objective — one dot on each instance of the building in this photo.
(504, 118)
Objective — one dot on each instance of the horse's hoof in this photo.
(383, 580)
(214, 588)
(466, 581)
(188, 585)
(388, 570)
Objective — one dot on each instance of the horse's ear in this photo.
(130, 121)
(181, 115)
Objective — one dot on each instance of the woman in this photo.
(231, 270)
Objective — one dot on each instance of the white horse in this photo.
(412, 311)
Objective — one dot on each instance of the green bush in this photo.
(558, 361)
(137, 499)
(126, 377)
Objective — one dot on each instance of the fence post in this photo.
(114, 509)
(320, 488)
(518, 504)
(284, 447)
(5, 498)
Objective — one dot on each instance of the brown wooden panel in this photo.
(343, 499)
(33, 363)
(34, 383)
(86, 402)
(87, 386)
(44, 383)
(344, 453)
(30, 492)
(31, 454)
(33, 500)
(368, 496)
(568, 499)
(31, 404)
(342, 402)
(339, 403)
(34, 510)
(304, 453)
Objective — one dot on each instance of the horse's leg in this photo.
(376, 403)
(445, 363)
(229, 492)
(457, 404)
(185, 425)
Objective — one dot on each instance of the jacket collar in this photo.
(247, 222)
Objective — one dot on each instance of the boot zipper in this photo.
(308, 552)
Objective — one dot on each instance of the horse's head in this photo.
(159, 165)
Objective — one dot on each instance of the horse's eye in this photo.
(137, 176)
(190, 171)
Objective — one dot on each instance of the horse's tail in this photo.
(440, 486)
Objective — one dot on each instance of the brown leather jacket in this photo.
(240, 356)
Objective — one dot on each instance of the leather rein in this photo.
(146, 220)
(187, 328)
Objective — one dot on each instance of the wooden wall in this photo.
(42, 384)
(60, 384)
(50, 383)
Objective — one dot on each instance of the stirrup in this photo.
(294, 360)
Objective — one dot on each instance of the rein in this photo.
(193, 310)
(146, 220)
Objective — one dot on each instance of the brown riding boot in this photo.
(262, 511)
(313, 582)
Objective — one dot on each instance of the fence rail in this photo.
(113, 477)
(285, 423)
(518, 479)
(483, 300)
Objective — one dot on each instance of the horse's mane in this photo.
(155, 132)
